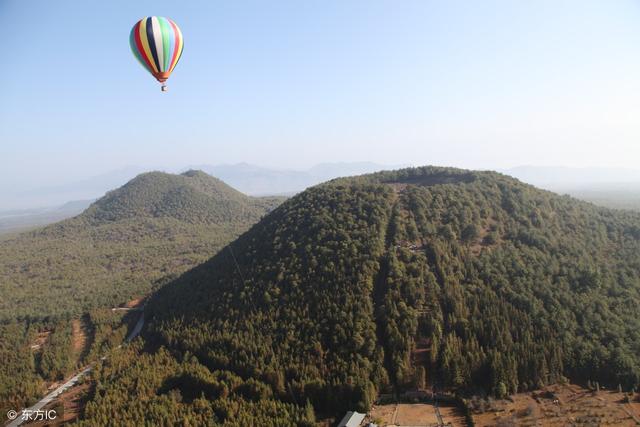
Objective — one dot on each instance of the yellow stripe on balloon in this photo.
(145, 44)
(180, 42)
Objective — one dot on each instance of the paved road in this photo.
(73, 380)
(439, 416)
(437, 407)
(51, 396)
(136, 329)
(127, 309)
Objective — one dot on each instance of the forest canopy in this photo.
(126, 244)
(470, 281)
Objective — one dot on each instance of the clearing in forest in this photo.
(561, 405)
(416, 414)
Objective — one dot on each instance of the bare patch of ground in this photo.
(79, 337)
(452, 415)
(135, 303)
(562, 405)
(382, 414)
(415, 414)
(421, 352)
(41, 339)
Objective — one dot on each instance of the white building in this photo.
(351, 419)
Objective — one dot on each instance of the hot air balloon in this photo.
(157, 44)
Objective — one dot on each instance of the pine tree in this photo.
(309, 413)
(501, 390)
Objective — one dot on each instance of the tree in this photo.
(469, 233)
(309, 412)
(420, 378)
(501, 390)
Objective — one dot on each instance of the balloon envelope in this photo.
(157, 44)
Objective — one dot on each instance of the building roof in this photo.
(351, 419)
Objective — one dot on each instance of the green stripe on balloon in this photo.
(165, 29)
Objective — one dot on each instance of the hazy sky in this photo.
(488, 84)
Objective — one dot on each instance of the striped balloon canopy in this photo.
(157, 44)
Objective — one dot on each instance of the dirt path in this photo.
(80, 333)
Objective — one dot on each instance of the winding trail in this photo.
(73, 380)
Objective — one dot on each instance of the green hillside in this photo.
(468, 281)
(192, 197)
(125, 244)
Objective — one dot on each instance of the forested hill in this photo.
(192, 197)
(125, 244)
(463, 280)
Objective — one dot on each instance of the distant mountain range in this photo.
(257, 180)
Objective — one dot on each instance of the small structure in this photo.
(351, 419)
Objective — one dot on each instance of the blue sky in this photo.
(489, 84)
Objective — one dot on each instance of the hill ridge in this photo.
(157, 194)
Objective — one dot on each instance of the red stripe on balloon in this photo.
(177, 43)
(136, 32)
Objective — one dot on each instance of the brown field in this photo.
(383, 413)
(453, 415)
(415, 414)
(575, 406)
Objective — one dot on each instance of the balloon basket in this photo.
(164, 88)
